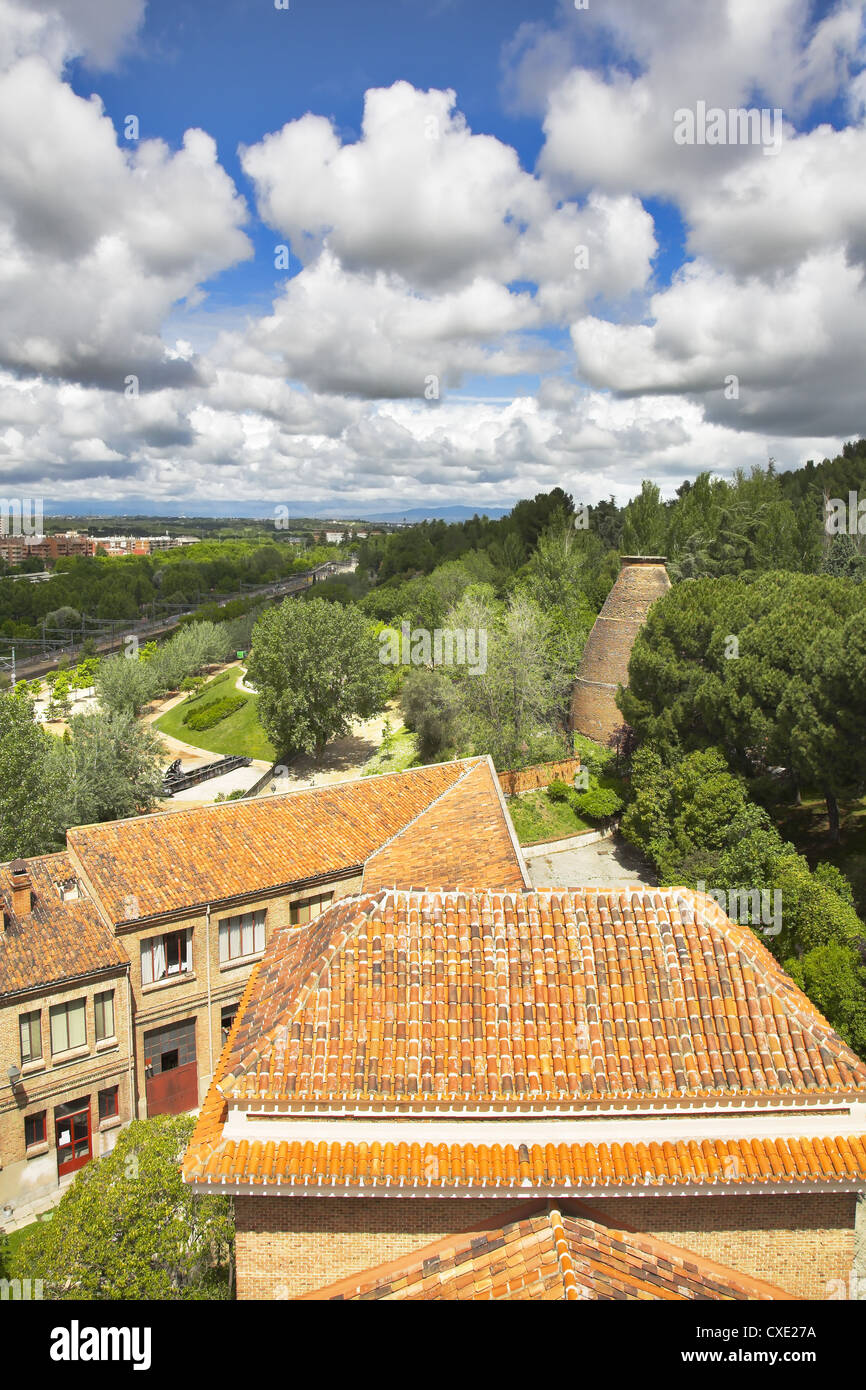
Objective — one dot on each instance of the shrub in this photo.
(213, 713)
(597, 804)
(558, 790)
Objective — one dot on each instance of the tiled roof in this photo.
(211, 853)
(464, 838)
(578, 996)
(764, 1162)
(550, 1255)
(56, 940)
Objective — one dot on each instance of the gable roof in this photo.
(56, 940)
(152, 865)
(579, 996)
(465, 837)
(549, 1255)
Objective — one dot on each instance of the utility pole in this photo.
(13, 668)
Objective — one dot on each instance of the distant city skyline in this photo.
(398, 256)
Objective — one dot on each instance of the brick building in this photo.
(405, 1074)
(174, 911)
(65, 1010)
(15, 549)
(604, 664)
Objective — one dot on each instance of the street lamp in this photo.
(14, 1074)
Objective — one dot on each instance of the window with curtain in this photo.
(103, 1008)
(68, 1026)
(164, 956)
(31, 1036)
(242, 936)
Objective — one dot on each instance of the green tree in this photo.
(128, 1228)
(30, 820)
(431, 708)
(124, 685)
(646, 523)
(835, 981)
(316, 666)
(114, 768)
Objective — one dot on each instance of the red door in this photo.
(173, 1091)
(170, 1069)
(72, 1135)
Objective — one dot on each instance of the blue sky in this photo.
(436, 335)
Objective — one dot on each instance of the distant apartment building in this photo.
(123, 960)
(15, 549)
(142, 545)
(334, 537)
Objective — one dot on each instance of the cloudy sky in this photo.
(384, 254)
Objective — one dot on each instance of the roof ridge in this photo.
(337, 939)
(744, 942)
(657, 1246)
(563, 1255)
(467, 772)
(234, 806)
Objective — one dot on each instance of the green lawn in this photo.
(241, 733)
(536, 818)
(397, 752)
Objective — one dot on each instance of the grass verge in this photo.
(536, 818)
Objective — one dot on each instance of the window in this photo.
(242, 936)
(103, 1008)
(227, 1018)
(34, 1129)
(31, 1036)
(68, 1026)
(305, 911)
(108, 1104)
(164, 956)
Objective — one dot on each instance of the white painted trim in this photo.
(414, 1187)
(518, 1130)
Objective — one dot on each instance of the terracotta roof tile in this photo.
(56, 940)
(551, 1255)
(238, 848)
(418, 997)
(464, 838)
(211, 1158)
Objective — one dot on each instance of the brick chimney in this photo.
(22, 888)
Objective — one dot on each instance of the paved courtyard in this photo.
(607, 863)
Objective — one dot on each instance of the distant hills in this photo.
(140, 507)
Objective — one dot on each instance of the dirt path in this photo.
(344, 758)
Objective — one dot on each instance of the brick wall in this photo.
(287, 1246)
(51, 1081)
(800, 1243)
(531, 779)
